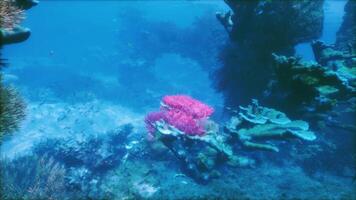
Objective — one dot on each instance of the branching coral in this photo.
(10, 14)
(87, 158)
(32, 177)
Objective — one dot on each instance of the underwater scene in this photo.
(178, 99)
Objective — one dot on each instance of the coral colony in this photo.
(183, 126)
(182, 112)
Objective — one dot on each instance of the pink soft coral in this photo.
(181, 111)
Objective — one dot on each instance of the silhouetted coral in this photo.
(345, 37)
(258, 29)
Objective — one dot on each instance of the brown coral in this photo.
(10, 14)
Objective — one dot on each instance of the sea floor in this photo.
(148, 173)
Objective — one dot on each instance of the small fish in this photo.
(184, 182)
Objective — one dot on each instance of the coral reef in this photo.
(201, 155)
(260, 123)
(87, 158)
(252, 25)
(201, 148)
(319, 86)
(32, 177)
(11, 15)
(11, 104)
(12, 109)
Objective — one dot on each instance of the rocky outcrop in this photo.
(345, 37)
(257, 29)
(11, 16)
(317, 86)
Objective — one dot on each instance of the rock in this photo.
(251, 26)
(15, 35)
(345, 37)
(26, 4)
(321, 87)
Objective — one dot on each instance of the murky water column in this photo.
(333, 15)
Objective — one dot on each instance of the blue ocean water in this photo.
(92, 70)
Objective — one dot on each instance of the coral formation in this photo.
(256, 122)
(253, 25)
(320, 86)
(12, 109)
(181, 112)
(11, 15)
(32, 177)
(88, 157)
(200, 155)
(345, 37)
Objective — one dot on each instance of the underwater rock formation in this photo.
(258, 29)
(321, 87)
(329, 56)
(260, 123)
(26, 4)
(278, 23)
(200, 155)
(11, 105)
(11, 15)
(345, 37)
